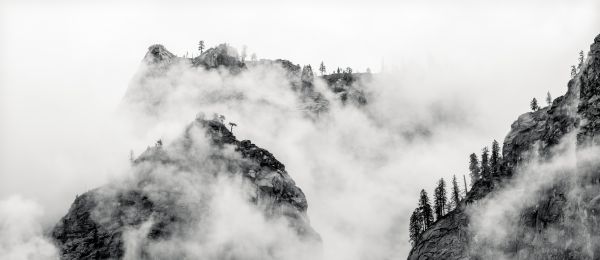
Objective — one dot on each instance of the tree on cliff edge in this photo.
(415, 227)
(201, 46)
(440, 199)
(485, 164)
(474, 170)
(534, 105)
(426, 210)
(495, 158)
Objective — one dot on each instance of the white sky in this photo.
(64, 62)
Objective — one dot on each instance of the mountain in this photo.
(561, 220)
(157, 197)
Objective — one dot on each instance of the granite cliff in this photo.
(562, 221)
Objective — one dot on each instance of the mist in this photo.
(449, 80)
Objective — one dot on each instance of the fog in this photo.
(463, 72)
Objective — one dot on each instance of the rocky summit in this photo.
(563, 222)
(157, 198)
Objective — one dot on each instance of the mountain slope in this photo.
(561, 221)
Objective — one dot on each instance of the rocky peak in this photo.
(149, 198)
(221, 55)
(157, 53)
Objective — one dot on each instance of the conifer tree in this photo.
(549, 98)
(474, 169)
(322, 69)
(426, 211)
(485, 163)
(455, 192)
(415, 227)
(534, 105)
(573, 71)
(201, 46)
(495, 159)
(581, 59)
(440, 199)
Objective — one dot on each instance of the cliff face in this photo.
(170, 195)
(563, 221)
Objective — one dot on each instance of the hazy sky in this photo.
(62, 64)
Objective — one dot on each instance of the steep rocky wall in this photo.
(579, 109)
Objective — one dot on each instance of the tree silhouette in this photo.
(232, 124)
(534, 105)
(426, 210)
(415, 226)
(485, 163)
(474, 169)
(440, 199)
(201, 46)
(322, 68)
(549, 98)
(495, 159)
(159, 143)
(455, 192)
(581, 59)
(573, 71)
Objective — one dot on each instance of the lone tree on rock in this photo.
(549, 98)
(426, 210)
(534, 105)
(322, 68)
(440, 199)
(581, 59)
(415, 227)
(232, 124)
(474, 169)
(201, 46)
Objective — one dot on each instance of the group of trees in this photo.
(424, 215)
(534, 103)
(487, 166)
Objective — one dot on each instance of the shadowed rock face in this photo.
(97, 221)
(451, 238)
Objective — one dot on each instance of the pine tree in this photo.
(455, 192)
(440, 199)
(534, 105)
(485, 163)
(573, 71)
(549, 98)
(426, 210)
(201, 46)
(322, 68)
(474, 169)
(495, 159)
(415, 227)
(581, 59)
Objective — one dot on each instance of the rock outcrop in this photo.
(561, 224)
(166, 196)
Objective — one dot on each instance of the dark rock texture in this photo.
(563, 223)
(97, 220)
